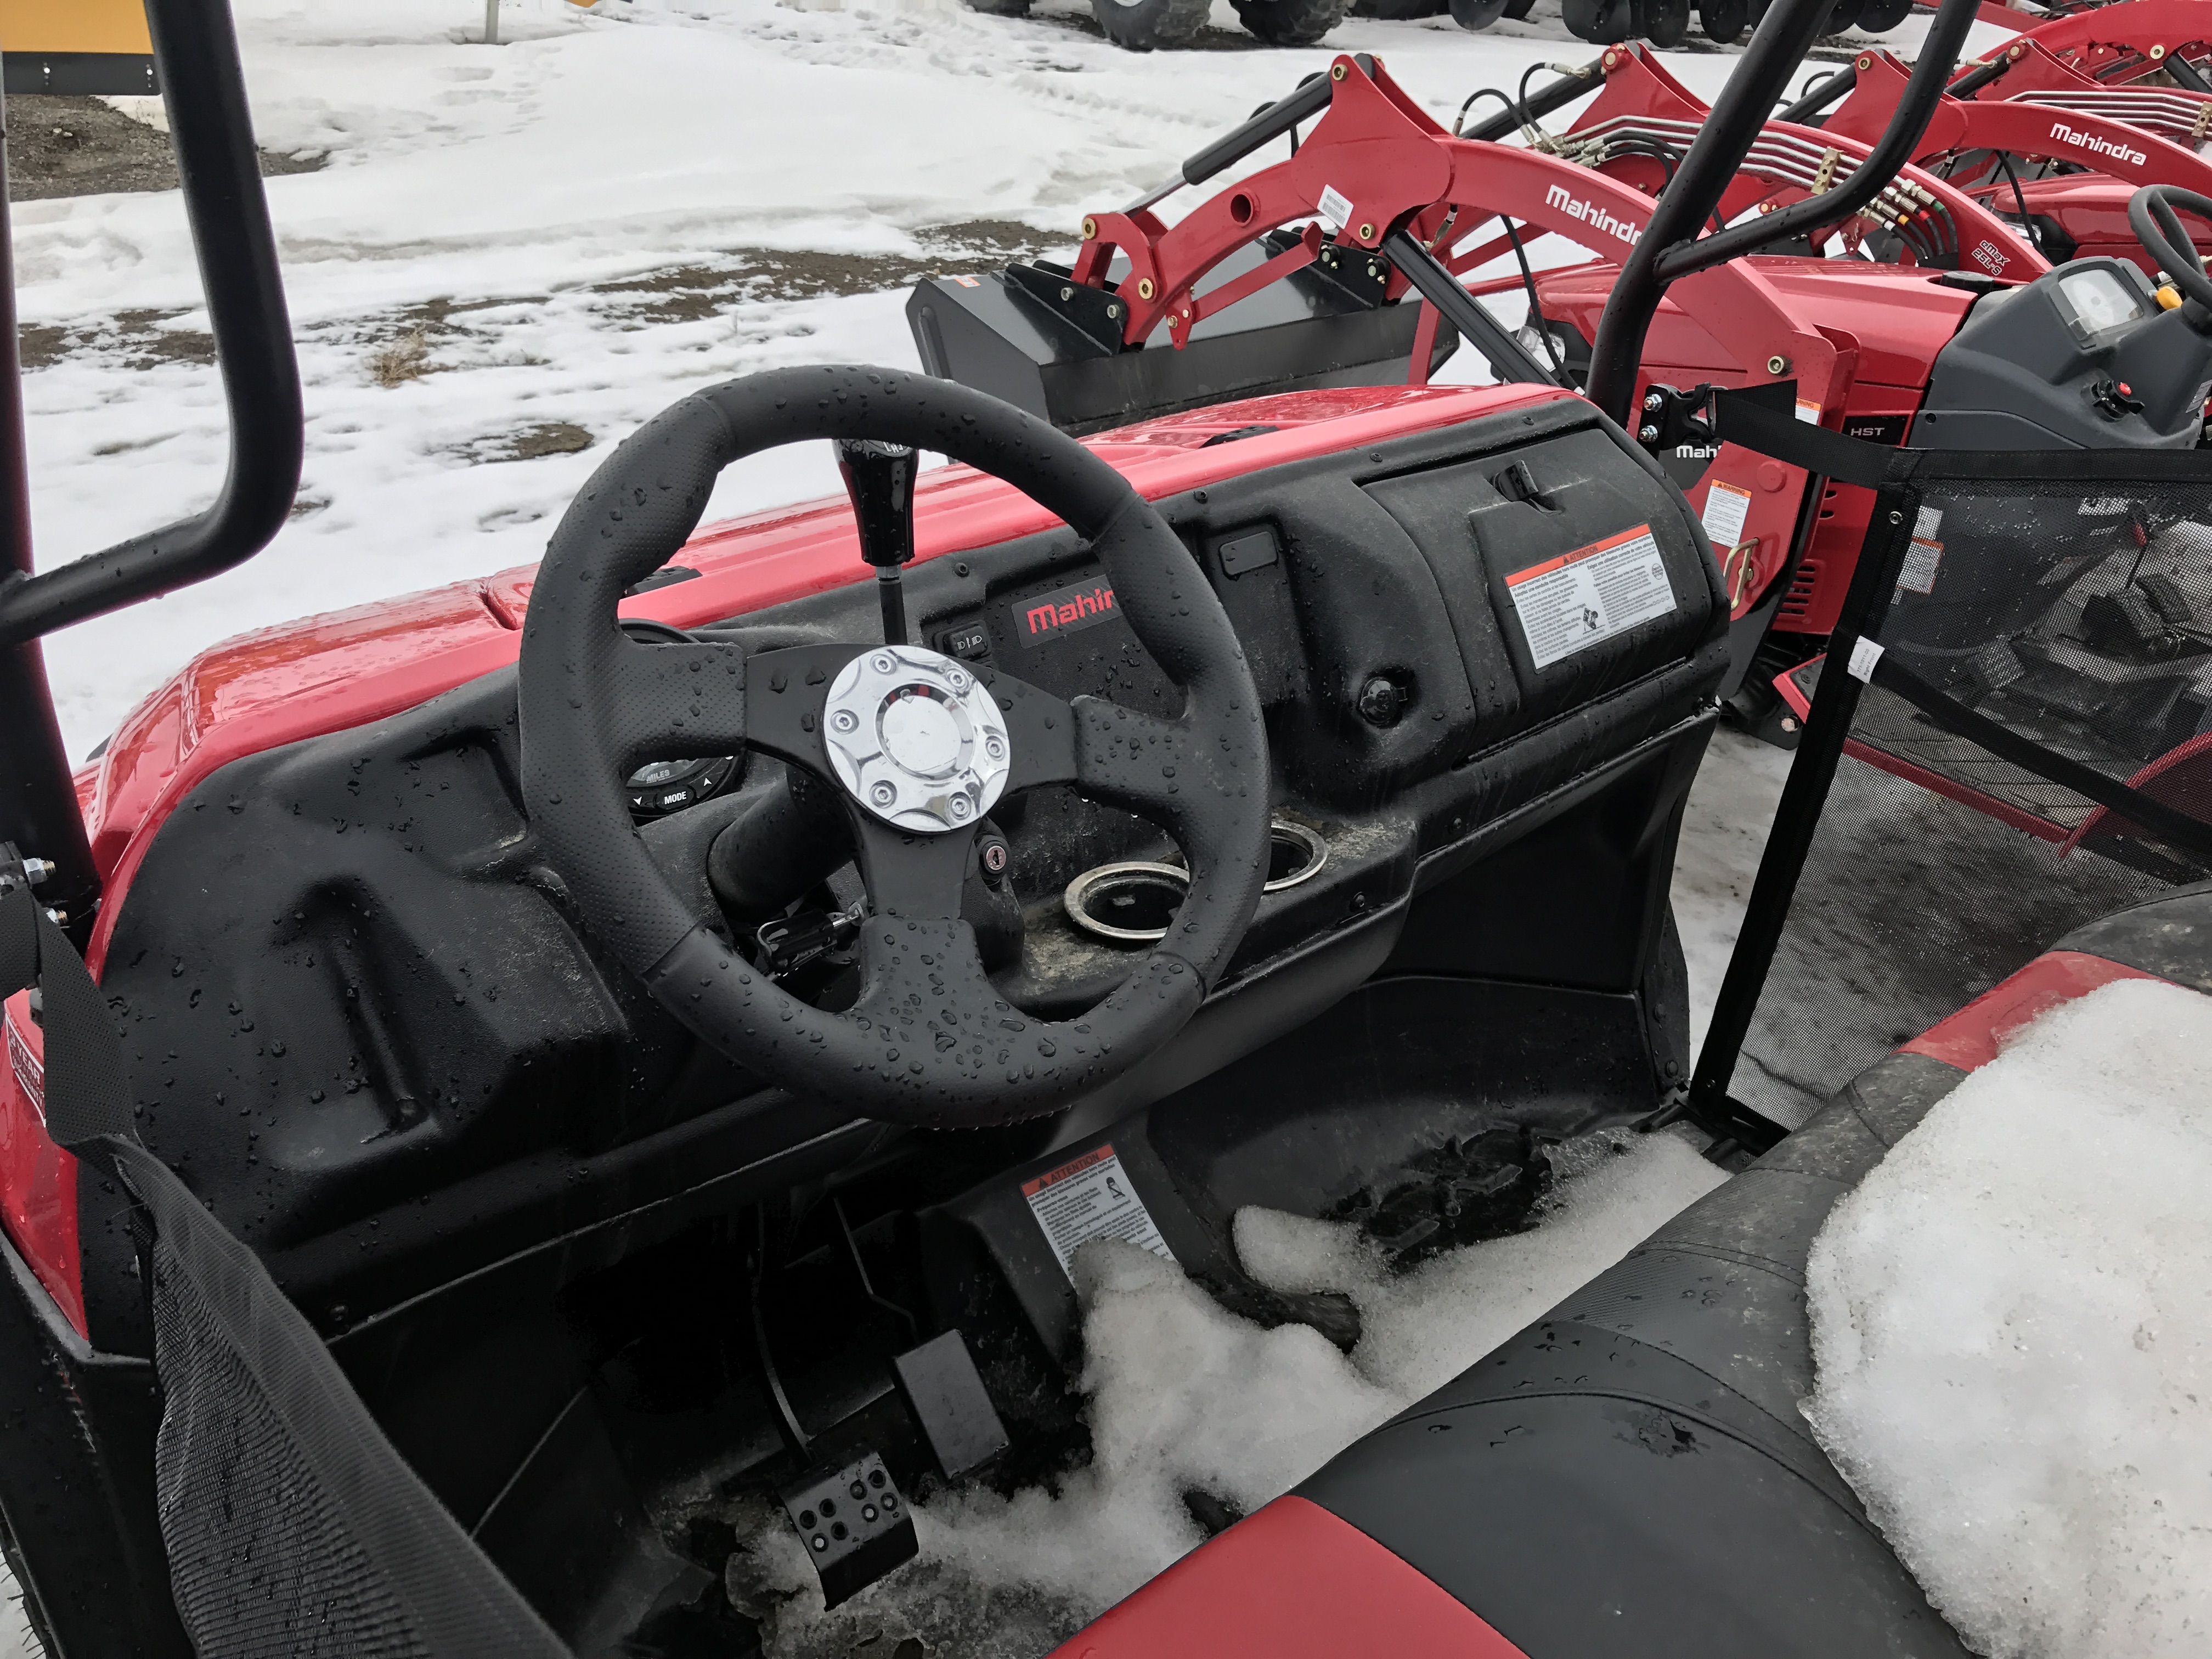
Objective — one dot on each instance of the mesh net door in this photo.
(2010, 737)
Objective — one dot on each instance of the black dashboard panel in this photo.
(365, 976)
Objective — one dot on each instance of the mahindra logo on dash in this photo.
(2066, 134)
(1070, 608)
(1591, 214)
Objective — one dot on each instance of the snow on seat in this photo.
(2012, 1324)
(1634, 1472)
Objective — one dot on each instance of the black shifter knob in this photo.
(880, 478)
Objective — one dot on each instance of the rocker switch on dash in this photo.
(879, 479)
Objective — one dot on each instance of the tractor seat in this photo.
(1630, 1473)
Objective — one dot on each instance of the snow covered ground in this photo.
(515, 254)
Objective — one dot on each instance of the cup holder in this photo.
(1135, 904)
(1127, 903)
(1295, 854)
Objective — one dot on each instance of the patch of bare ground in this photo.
(83, 147)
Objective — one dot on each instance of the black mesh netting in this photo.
(292, 1526)
(2037, 635)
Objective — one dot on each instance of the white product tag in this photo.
(1727, 506)
(1927, 523)
(1922, 560)
(1568, 603)
(1091, 1198)
(1334, 208)
(1808, 411)
(1865, 654)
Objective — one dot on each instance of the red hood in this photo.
(1897, 316)
(345, 668)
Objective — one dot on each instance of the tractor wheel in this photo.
(1601, 22)
(1000, 8)
(1286, 23)
(1518, 9)
(1146, 25)
(1476, 16)
(1405, 11)
(1724, 20)
(1881, 16)
(1843, 15)
(1667, 22)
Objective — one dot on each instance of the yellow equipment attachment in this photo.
(76, 47)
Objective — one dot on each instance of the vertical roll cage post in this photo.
(196, 49)
(1671, 248)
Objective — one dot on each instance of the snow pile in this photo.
(1183, 1397)
(2013, 1327)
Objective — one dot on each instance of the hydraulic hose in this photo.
(1671, 249)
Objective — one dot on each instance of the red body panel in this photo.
(326, 673)
(1290, 1581)
(1885, 323)
(1972, 1037)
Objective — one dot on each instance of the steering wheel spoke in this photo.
(670, 700)
(784, 694)
(1148, 765)
(913, 876)
(1041, 729)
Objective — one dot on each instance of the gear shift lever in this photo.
(880, 478)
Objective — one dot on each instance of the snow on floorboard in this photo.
(2012, 1323)
(1184, 1396)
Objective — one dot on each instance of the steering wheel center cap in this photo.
(915, 738)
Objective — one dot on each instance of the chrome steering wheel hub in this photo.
(915, 738)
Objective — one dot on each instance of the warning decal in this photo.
(1091, 1198)
(1727, 506)
(1568, 603)
(1336, 207)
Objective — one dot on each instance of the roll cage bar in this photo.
(195, 51)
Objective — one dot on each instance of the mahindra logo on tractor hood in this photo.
(2089, 141)
(1591, 214)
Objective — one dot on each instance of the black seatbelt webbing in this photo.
(1744, 417)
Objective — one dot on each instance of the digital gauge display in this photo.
(2097, 301)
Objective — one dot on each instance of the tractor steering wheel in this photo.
(917, 746)
(2151, 216)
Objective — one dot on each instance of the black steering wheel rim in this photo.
(930, 1041)
(2152, 216)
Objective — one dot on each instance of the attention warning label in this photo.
(1568, 603)
(1091, 1198)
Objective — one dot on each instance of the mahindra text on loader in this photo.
(504, 1079)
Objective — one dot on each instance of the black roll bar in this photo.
(1671, 248)
(195, 51)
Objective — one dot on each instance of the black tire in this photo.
(1724, 21)
(1148, 25)
(1843, 15)
(1881, 16)
(1476, 16)
(1601, 22)
(1667, 22)
(1518, 9)
(1286, 23)
(1405, 11)
(999, 8)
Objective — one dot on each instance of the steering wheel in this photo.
(917, 746)
(2151, 216)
